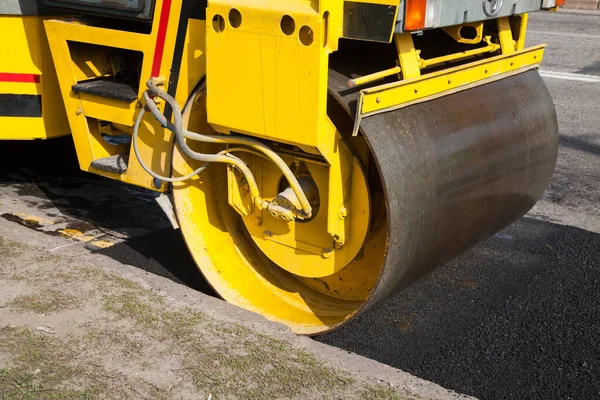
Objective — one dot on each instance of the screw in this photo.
(267, 235)
(378, 100)
(327, 253)
(449, 81)
(343, 213)
(79, 111)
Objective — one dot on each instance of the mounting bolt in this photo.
(378, 100)
(327, 253)
(267, 235)
(449, 81)
(343, 213)
(78, 112)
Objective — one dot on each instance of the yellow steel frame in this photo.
(400, 94)
(155, 141)
(275, 81)
(25, 51)
(415, 87)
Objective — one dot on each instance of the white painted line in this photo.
(63, 246)
(569, 76)
(549, 33)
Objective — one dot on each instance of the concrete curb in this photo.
(582, 4)
(356, 365)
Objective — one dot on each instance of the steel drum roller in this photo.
(454, 171)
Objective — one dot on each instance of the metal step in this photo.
(117, 163)
(106, 87)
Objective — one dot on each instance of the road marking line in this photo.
(549, 33)
(569, 76)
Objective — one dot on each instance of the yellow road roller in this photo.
(317, 155)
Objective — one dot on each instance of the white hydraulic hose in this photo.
(136, 150)
(180, 133)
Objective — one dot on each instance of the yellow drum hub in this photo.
(228, 255)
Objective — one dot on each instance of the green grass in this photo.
(44, 302)
(152, 315)
(382, 392)
(40, 370)
(9, 248)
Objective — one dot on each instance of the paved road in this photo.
(517, 317)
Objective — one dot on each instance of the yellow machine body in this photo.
(319, 144)
(28, 85)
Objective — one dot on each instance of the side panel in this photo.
(28, 85)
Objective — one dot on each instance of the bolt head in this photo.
(327, 253)
(78, 112)
(267, 235)
(343, 213)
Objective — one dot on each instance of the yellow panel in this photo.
(393, 95)
(108, 109)
(20, 128)
(275, 84)
(27, 52)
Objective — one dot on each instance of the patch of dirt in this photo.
(75, 331)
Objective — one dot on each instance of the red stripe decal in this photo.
(160, 37)
(12, 77)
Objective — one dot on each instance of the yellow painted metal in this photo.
(407, 55)
(79, 53)
(282, 82)
(403, 93)
(522, 19)
(505, 36)
(25, 50)
(363, 80)
(305, 248)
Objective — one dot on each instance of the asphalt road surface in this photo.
(516, 317)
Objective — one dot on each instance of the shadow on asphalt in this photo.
(516, 317)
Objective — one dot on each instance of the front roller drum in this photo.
(452, 172)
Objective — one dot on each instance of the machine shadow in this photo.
(516, 317)
(47, 174)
